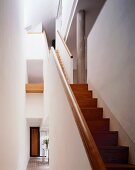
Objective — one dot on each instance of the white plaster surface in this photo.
(111, 60)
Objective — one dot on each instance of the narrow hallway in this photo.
(37, 164)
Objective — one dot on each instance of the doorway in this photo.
(34, 141)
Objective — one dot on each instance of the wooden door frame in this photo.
(38, 141)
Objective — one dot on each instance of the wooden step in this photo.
(115, 157)
(84, 99)
(92, 113)
(114, 154)
(83, 96)
(110, 166)
(87, 103)
(92, 110)
(99, 125)
(80, 87)
(106, 138)
(82, 92)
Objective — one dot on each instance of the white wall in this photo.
(33, 12)
(34, 105)
(35, 29)
(66, 147)
(37, 11)
(13, 128)
(45, 122)
(34, 46)
(111, 60)
(68, 8)
(43, 11)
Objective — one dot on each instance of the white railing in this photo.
(65, 56)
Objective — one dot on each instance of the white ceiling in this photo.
(35, 71)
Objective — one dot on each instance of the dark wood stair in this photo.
(114, 156)
(87, 103)
(99, 125)
(110, 166)
(105, 138)
(86, 95)
(92, 113)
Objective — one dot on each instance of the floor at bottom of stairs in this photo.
(37, 164)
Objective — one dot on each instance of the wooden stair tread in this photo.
(80, 100)
(83, 96)
(105, 132)
(114, 147)
(92, 109)
(79, 86)
(116, 166)
(119, 165)
(82, 92)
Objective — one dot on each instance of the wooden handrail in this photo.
(65, 45)
(91, 149)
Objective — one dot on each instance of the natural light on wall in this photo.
(35, 46)
(32, 12)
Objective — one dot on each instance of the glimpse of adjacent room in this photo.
(34, 111)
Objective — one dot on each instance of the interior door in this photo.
(34, 142)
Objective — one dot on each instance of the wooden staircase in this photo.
(114, 156)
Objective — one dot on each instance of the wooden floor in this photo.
(37, 164)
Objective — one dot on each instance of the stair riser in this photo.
(98, 125)
(92, 116)
(106, 139)
(88, 104)
(114, 156)
(79, 87)
(92, 110)
(86, 100)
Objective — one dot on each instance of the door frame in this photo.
(38, 141)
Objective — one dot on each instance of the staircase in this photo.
(114, 156)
